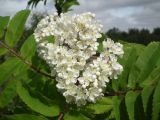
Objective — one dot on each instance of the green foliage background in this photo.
(27, 92)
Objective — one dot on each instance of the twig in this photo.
(121, 93)
(32, 67)
(61, 116)
(65, 110)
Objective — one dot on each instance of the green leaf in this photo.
(3, 24)
(129, 58)
(130, 101)
(23, 117)
(111, 116)
(131, 53)
(119, 108)
(100, 41)
(144, 64)
(134, 106)
(34, 3)
(156, 103)
(147, 96)
(150, 64)
(69, 3)
(35, 104)
(100, 47)
(50, 39)
(7, 69)
(101, 106)
(3, 51)
(152, 79)
(116, 107)
(73, 115)
(123, 111)
(146, 93)
(139, 47)
(8, 93)
(28, 49)
(16, 27)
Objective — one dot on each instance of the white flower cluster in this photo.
(81, 74)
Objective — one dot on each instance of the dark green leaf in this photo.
(119, 108)
(23, 117)
(134, 106)
(3, 24)
(123, 110)
(146, 93)
(35, 104)
(3, 51)
(7, 69)
(156, 103)
(69, 3)
(116, 107)
(33, 3)
(139, 111)
(147, 97)
(8, 93)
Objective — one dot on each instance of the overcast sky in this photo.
(122, 14)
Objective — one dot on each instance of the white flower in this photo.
(115, 48)
(80, 77)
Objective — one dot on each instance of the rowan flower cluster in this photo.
(81, 74)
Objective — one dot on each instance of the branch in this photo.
(65, 110)
(122, 93)
(32, 67)
(61, 116)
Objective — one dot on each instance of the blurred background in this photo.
(135, 21)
